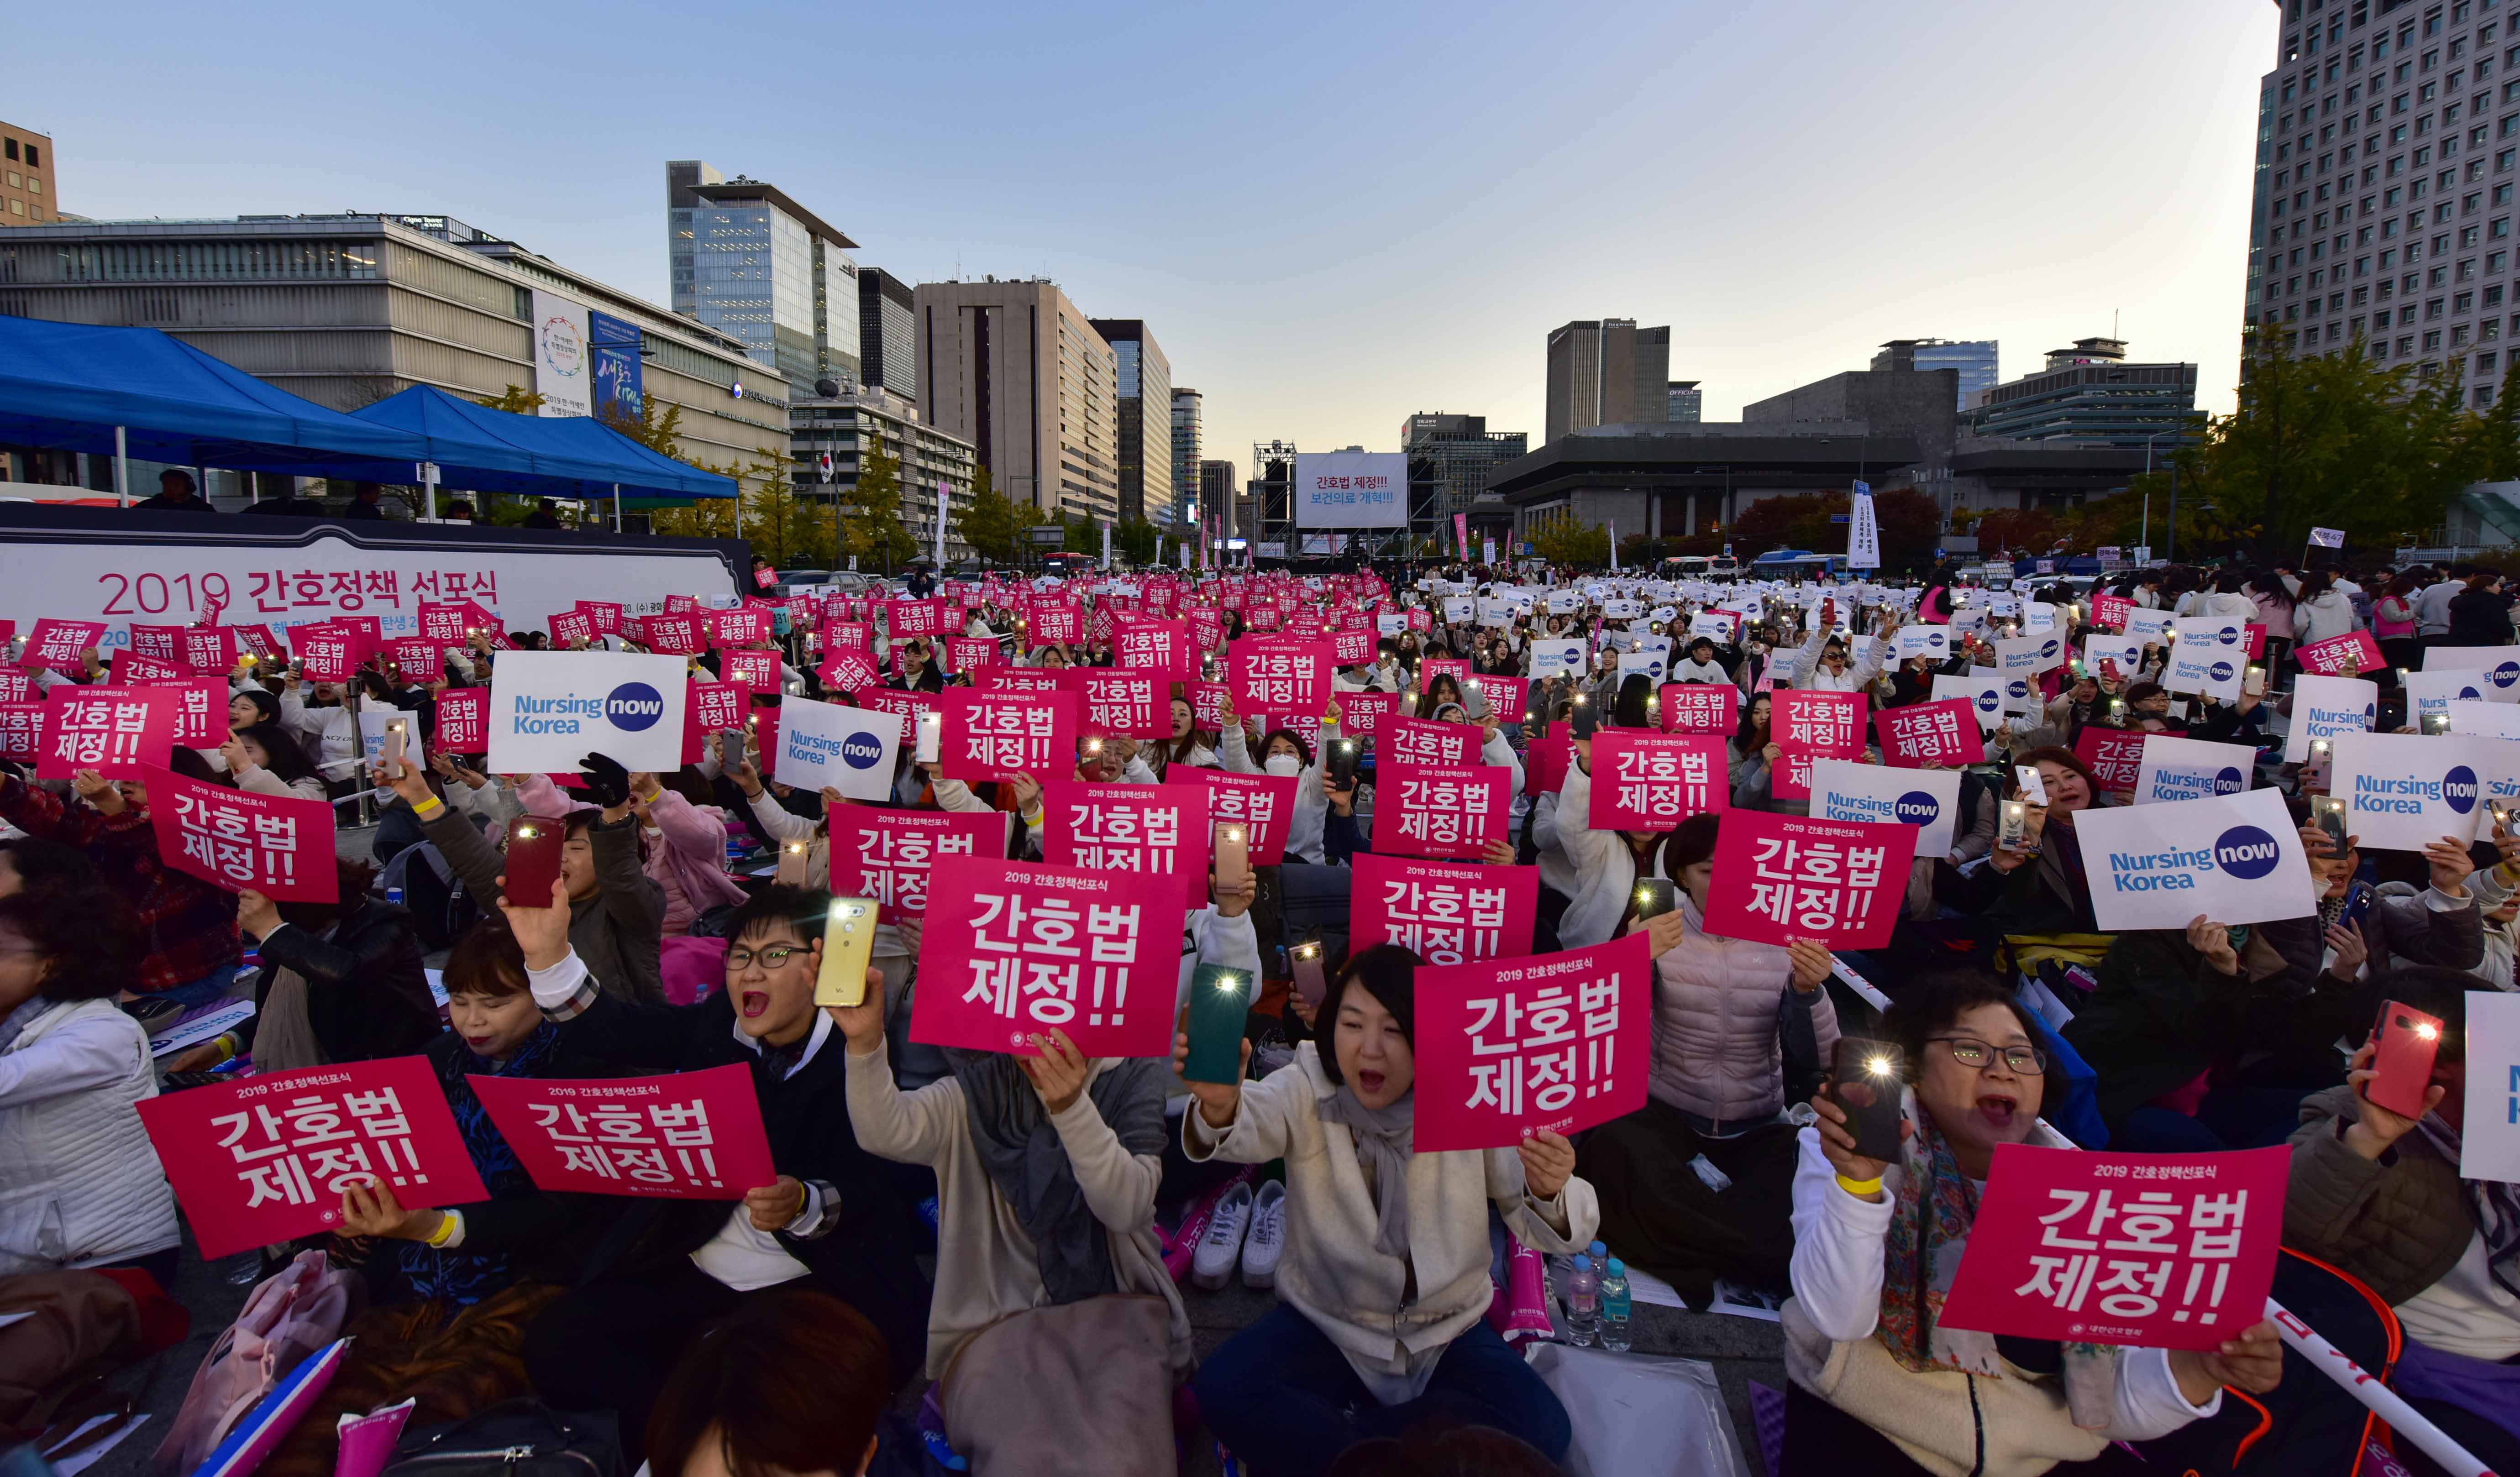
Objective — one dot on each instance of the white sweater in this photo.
(79, 1184)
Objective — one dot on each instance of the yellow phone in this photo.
(793, 856)
(848, 942)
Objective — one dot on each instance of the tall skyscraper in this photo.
(1189, 407)
(887, 339)
(1014, 369)
(1974, 359)
(748, 261)
(1217, 490)
(1144, 379)
(1687, 402)
(1608, 372)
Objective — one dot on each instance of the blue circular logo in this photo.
(2018, 688)
(2470, 695)
(2221, 671)
(2247, 852)
(2459, 789)
(2048, 650)
(633, 706)
(2230, 782)
(861, 750)
(2229, 636)
(2506, 674)
(1988, 703)
(1917, 808)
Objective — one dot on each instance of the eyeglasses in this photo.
(775, 957)
(2029, 1061)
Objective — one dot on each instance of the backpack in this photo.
(442, 906)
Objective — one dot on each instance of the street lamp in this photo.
(2144, 537)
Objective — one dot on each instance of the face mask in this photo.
(1285, 766)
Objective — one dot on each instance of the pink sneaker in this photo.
(1183, 1244)
(1526, 1293)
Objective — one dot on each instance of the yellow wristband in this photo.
(447, 1223)
(1862, 1190)
(427, 807)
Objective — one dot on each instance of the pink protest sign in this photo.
(849, 670)
(16, 686)
(972, 653)
(1206, 627)
(1364, 715)
(59, 643)
(1055, 622)
(464, 719)
(132, 666)
(201, 711)
(21, 731)
(603, 615)
(1450, 913)
(1415, 741)
(1207, 705)
(673, 635)
(419, 659)
(915, 617)
(443, 621)
(1457, 669)
(2109, 612)
(1830, 725)
(679, 605)
(210, 651)
(995, 736)
(738, 628)
(1508, 1048)
(1440, 809)
(2115, 755)
(2162, 1251)
(1352, 647)
(1945, 731)
(711, 709)
(887, 854)
(326, 654)
(1701, 707)
(1281, 676)
(1778, 878)
(1003, 679)
(1117, 702)
(752, 671)
(159, 643)
(116, 730)
(1653, 782)
(1148, 828)
(280, 847)
(266, 1160)
(571, 628)
(1503, 694)
(1154, 646)
(692, 1136)
(1264, 617)
(1265, 803)
(1545, 762)
(2257, 642)
(2340, 655)
(1011, 950)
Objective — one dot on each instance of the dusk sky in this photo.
(1329, 216)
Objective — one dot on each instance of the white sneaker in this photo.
(1218, 1249)
(1268, 1236)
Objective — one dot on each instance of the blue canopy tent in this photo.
(490, 450)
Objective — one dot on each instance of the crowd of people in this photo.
(1011, 1233)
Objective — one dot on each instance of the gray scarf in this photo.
(284, 1038)
(1020, 1148)
(1382, 1147)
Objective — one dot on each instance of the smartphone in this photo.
(533, 859)
(932, 738)
(2436, 723)
(791, 863)
(2034, 786)
(393, 749)
(1343, 760)
(2403, 1065)
(2013, 830)
(2117, 705)
(2358, 905)
(2321, 751)
(848, 942)
(1587, 717)
(1219, 1009)
(2255, 682)
(1655, 896)
(2501, 810)
(1866, 1087)
(2328, 813)
(1233, 853)
(1310, 981)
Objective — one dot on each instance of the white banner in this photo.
(1863, 532)
(2489, 1140)
(2020, 662)
(1714, 626)
(2211, 656)
(2405, 791)
(2433, 691)
(1352, 489)
(2324, 707)
(848, 750)
(2150, 627)
(2487, 720)
(550, 709)
(2500, 666)
(1556, 657)
(1982, 688)
(2236, 859)
(562, 373)
(2192, 769)
(1933, 642)
(2123, 651)
(1928, 799)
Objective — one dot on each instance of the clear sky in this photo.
(1330, 216)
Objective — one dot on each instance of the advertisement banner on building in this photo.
(561, 371)
(1351, 489)
(613, 353)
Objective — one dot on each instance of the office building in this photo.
(936, 467)
(2383, 202)
(1974, 359)
(887, 333)
(1144, 378)
(1189, 409)
(1450, 458)
(348, 309)
(1216, 497)
(752, 263)
(2090, 393)
(1013, 368)
(1605, 372)
(1687, 402)
(30, 186)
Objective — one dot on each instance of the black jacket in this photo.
(2479, 618)
(2161, 1015)
(366, 996)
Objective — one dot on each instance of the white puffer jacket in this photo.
(1716, 1002)
(79, 1184)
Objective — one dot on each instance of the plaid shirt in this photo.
(192, 925)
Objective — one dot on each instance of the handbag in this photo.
(515, 1438)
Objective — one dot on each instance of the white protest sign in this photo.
(2324, 707)
(2123, 651)
(1967, 618)
(1390, 625)
(1714, 625)
(2192, 769)
(2211, 656)
(1556, 657)
(1928, 799)
(2038, 616)
(1622, 609)
(2148, 626)
(2432, 691)
(1457, 609)
(551, 710)
(2235, 859)
(2500, 664)
(2405, 791)
(2019, 664)
(1982, 688)
(2489, 1140)
(1650, 663)
(1933, 642)
(848, 750)
(2484, 719)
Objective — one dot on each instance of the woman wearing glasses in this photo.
(1880, 1384)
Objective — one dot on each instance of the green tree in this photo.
(1135, 540)
(784, 527)
(515, 400)
(1576, 545)
(995, 525)
(875, 531)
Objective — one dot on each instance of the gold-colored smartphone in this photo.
(791, 864)
(1233, 853)
(848, 942)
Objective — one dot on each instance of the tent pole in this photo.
(616, 508)
(121, 465)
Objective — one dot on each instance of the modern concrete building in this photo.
(1450, 458)
(2090, 393)
(2383, 207)
(348, 309)
(30, 186)
(936, 467)
(887, 333)
(1608, 371)
(1216, 495)
(752, 263)
(1144, 378)
(1017, 369)
(1975, 360)
(1687, 402)
(1190, 412)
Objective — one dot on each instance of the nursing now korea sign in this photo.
(2234, 859)
(2405, 791)
(1928, 799)
(550, 709)
(2500, 666)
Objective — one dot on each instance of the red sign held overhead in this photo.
(1922, 733)
(1448, 912)
(241, 840)
(887, 855)
(1415, 741)
(1009, 951)
(1509, 1048)
(1778, 878)
(116, 730)
(1701, 707)
(1653, 782)
(691, 1135)
(1440, 809)
(1148, 828)
(1264, 803)
(464, 719)
(996, 736)
(2115, 755)
(1117, 702)
(61, 645)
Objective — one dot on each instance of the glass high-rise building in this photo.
(887, 348)
(750, 263)
(1975, 360)
(1146, 397)
(1188, 410)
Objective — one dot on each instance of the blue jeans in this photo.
(1281, 1397)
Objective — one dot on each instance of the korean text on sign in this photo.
(115, 731)
(1448, 912)
(1265, 803)
(1284, 676)
(266, 1160)
(691, 1135)
(1945, 732)
(887, 854)
(995, 736)
(1145, 828)
(1652, 782)
(1778, 878)
(1440, 811)
(277, 845)
(1828, 725)
(1553, 1041)
(2165, 1251)
(1009, 951)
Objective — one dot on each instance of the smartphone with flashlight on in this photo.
(533, 859)
(2013, 826)
(1343, 761)
(2500, 811)
(2328, 813)
(1866, 1087)
(2254, 681)
(2034, 786)
(791, 863)
(1587, 717)
(729, 749)
(848, 942)
(2322, 754)
(2401, 1066)
(393, 750)
(932, 738)
(1655, 896)
(1312, 982)
(1233, 853)
(1214, 1020)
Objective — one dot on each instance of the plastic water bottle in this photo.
(1583, 1303)
(1615, 1307)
